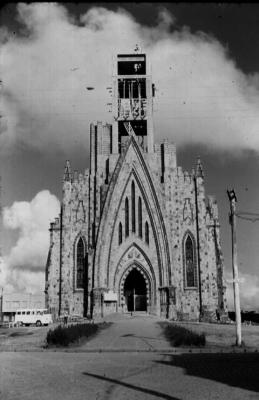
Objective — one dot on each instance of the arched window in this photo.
(133, 217)
(190, 262)
(140, 217)
(126, 217)
(120, 233)
(80, 260)
(146, 233)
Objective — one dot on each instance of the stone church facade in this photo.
(135, 231)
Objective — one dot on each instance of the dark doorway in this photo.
(135, 291)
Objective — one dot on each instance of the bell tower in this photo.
(132, 105)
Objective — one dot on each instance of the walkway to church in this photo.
(139, 332)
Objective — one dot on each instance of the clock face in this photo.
(131, 68)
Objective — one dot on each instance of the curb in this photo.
(150, 350)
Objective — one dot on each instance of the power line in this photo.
(248, 216)
(248, 219)
(247, 213)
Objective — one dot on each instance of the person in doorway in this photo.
(65, 318)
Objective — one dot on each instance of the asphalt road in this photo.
(134, 361)
(128, 376)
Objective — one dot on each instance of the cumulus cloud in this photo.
(202, 96)
(23, 268)
(18, 281)
(248, 288)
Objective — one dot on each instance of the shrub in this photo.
(64, 335)
(179, 336)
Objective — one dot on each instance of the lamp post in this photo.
(232, 221)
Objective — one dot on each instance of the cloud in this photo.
(202, 96)
(20, 281)
(249, 291)
(23, 268)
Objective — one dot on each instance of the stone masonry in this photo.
(135, 210)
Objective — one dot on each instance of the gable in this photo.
(131, 166)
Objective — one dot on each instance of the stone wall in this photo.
(173, 204)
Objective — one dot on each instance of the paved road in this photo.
(147, 371)
(139, 332)
(128, 376)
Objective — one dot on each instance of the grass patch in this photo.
(179, 336)
(65, 335)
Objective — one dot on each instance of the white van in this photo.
(38, 317)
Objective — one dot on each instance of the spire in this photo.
(212, 207)
(199, 169)
(67, 173)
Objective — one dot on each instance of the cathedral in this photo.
(135, 231)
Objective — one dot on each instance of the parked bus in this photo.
(38, 317)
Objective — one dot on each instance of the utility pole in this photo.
(232, 221)
(1, 306)
(60, 261)
(1, 260)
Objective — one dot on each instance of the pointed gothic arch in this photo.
(146, 233)
(126, 262)
(150, 197)
(189, 261)
(79, 271)
(133, 211)
(140, 217)
(126, 217)
(120, 233)
(140, 274)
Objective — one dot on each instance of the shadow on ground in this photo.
(154, 393)
(140, 337)
(238, 370)
(14, 334)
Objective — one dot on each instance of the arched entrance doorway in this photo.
(135, 291)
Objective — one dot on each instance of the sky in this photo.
(206, 71)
